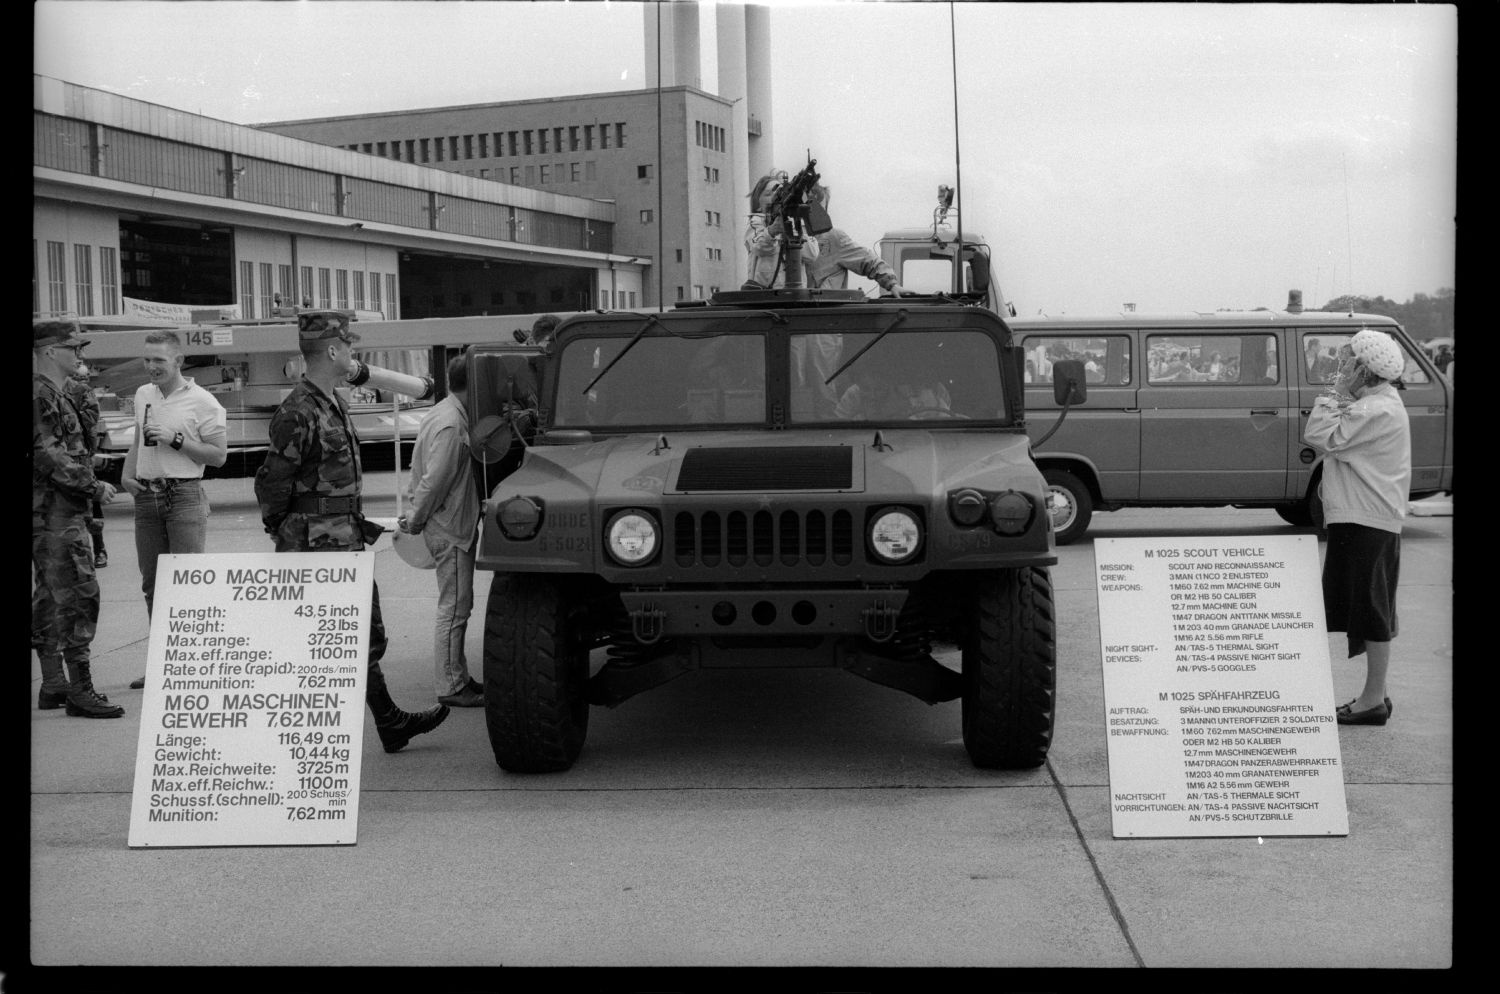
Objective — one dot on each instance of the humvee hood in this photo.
(920, 463)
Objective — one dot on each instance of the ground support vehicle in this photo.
(793, 477)
(1209, 410)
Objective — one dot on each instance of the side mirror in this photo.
(1068, 384)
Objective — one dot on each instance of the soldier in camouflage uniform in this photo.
(65, 594)
(87, 405)
(309, 492)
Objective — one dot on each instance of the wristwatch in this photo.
(177, 440)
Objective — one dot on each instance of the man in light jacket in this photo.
(444, 510)
(1364, 435)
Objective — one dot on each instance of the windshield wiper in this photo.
(900, 316)
(650, 320)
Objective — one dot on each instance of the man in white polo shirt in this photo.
(179, 429)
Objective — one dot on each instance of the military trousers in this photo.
(65, 591)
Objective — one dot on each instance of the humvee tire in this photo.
(1010, 670)
(536, 670)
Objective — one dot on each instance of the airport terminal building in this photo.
(135, 204)
(608, 200)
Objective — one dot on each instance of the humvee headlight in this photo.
(519, 517)
(632, 537)
(1010, 513)
(895, 535)
(967, 507)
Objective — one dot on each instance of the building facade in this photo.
(663, 158)
(136, 205)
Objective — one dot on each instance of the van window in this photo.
(1320, 357)
(1236, 359)
(1106, 360)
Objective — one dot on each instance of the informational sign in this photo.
(253, 716)
(1217, 688)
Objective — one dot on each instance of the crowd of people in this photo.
(309, 490)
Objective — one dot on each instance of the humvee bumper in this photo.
(656, 614)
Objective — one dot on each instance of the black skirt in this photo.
(1360, 573)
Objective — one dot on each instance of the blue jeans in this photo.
(455, 577)
(171, 516)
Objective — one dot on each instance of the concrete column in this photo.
(730, 28)
(762, 150)
(681, 63)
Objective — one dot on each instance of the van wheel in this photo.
(1298, 514)
(536, 668)
(1069, 503)
(1010, 670)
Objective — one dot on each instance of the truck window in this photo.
(662, 380)
(1228, 359)
(1106, 360)
(904, 376)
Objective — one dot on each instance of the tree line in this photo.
(1422, 316)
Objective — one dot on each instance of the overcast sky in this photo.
(1180, 157)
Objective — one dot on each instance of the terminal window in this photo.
(109, 283)
(83, 278)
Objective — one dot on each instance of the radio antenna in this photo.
(1348, 231)
(958, 176)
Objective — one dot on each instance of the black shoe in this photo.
(139, 683)
(101, 560)
(475, 686)
(1390, 709)
(46, 700)
(465, 698)
(1377, 715)
(407, 725)
(88, 705)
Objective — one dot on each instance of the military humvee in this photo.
(796, 475)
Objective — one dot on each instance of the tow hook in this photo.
(646, 623)
(880, 621)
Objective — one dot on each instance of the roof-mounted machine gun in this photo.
(798, 214)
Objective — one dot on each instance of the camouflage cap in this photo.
(56, 331)
(314, 326)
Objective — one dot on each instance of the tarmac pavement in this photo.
(761, 818)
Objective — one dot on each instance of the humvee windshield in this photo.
(687, 381)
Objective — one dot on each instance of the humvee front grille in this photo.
(763, 538)
(761, 468)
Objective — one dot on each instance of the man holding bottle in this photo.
(180, 429)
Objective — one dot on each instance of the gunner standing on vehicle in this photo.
(838, 256)
(309, 492)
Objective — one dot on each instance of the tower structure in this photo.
(743, 47)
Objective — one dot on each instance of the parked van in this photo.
(1207, 410)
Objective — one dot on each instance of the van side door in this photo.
(1215, 422)
(1102, 437)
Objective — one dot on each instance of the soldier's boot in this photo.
(82, 701)
(395, 726)
(88, 677)
(53, 675)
